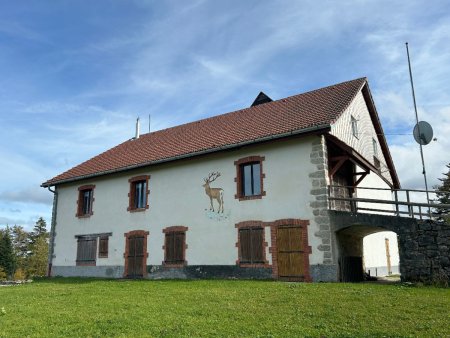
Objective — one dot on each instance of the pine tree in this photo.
(39, 230)
(20, 242)
(38, 260)
(7, 259)
(38, 249)
(443, 197)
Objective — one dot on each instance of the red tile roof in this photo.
(314, 109)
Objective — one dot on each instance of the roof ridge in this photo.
(247, 108)
(298, 112)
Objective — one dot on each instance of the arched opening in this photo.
(381, 257)
(354, 250)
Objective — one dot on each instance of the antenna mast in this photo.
(417, 121)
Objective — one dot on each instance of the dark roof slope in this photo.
(314, 109)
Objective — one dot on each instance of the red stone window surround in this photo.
(136, 233)
(138, 201)
(248, 225)
(240, 164)
(85, 201)
(174, 234)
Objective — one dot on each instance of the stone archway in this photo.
(350, 250)
(424, 246)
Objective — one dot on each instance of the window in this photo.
(103, 247)
(86, 250)
(375, 147)
(138, 195)
(251, 181)
(175, 246)
(250, 178)
(354, 127)
(251, 245)
(85, 201)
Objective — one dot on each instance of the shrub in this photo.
(3, 274)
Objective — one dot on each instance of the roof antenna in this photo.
(149, 120)
(137, 129)
(418, 125)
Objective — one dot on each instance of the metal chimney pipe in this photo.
(137, 129)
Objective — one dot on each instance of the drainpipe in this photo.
(51, 244)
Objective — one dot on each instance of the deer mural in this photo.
(214, 193)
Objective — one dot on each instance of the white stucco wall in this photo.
(178, 198)
(342, 129)
(375, 250)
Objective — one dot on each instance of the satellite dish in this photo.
(426, 133)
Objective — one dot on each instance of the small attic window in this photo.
(354, 122)
(375, 147)
(260, 99)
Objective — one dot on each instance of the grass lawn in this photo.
(105, 308)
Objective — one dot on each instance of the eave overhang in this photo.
(322, 128)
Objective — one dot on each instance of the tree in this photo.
(443, 197)
(38, 249)
(7, 259)
(39, 230)
(20, 242)
(37, 262)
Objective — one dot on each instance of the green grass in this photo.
(106, 308)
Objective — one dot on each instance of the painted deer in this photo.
(214, 193)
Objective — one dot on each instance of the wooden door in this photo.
(291, 253)
(136, 257)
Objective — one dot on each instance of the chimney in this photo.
(137, 129)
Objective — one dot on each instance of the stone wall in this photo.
(425, 252)
(424, 246)
(327, 271)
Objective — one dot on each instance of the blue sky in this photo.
(76, 74)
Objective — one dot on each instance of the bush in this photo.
(3, 274)
(19, 274)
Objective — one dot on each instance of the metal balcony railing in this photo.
(398, 202)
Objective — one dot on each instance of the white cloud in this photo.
(34, 194)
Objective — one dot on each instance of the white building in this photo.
(241, 195)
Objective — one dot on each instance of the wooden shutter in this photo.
(257, 245)
(245, 246)
(174, 246)
(169, 246)
(86, 250)
(103, 247)
(139, 256)
(251, 245)
(179, 247)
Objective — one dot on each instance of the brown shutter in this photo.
(86, 250)
(257, 245)
(245, 244)
(178, 247)
(174, 246)
(169, 247)
(103, 247)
